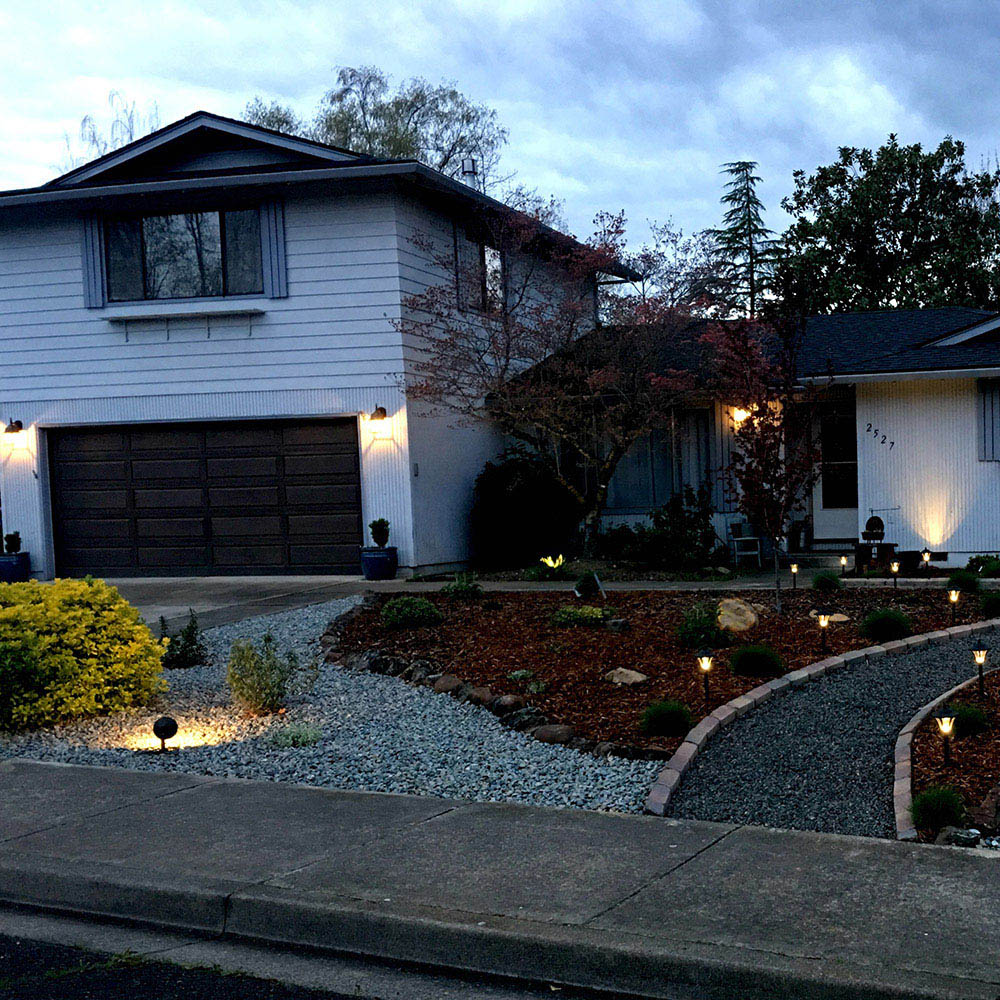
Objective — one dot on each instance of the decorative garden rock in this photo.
(617, 625)
(834, 618)
(481, 696)
(508, 703)
(624, 676)
(736, 615)
(958, 838)
(447, 684)
(553, 733)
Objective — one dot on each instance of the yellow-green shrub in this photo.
(72, 648)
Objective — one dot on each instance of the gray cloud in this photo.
(609, 105)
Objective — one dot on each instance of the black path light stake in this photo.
(979, 655)
(953, 596)
(705, 666)
(946, 726)
(795, 575)
(823, 620)
(894, 569)
(164, 729)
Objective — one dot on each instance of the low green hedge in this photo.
(409, 612)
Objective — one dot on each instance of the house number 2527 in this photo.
(880, 438)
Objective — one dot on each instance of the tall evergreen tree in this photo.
(744, 243)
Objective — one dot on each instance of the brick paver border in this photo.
(669, 779)
(902, 784)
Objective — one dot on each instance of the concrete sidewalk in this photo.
(634, 906)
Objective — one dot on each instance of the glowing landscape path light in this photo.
(795, 575)
(705, 666)
(946, 726)
(979, 656)
(953, 596)
(894, 569)
(823, 620)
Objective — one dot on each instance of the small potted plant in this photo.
(379, 562)
(15, 565)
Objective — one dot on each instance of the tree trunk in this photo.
(592, 521)
(777, 580)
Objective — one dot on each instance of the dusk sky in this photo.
(610, 105)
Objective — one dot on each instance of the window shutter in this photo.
(988, 420)
(93, 262)
(272, 240)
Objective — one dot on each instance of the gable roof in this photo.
(897, 341)
(202, 132)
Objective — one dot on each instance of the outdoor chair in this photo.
(744, 542)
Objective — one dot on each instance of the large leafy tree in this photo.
(899, 227)
(744, 244)
(524, 354)
(416, 119)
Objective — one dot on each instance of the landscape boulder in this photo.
(735, 615)
(624, 676)
(553, 733)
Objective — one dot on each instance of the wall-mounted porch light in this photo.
(381, 427)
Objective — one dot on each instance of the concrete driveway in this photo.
(223, 599)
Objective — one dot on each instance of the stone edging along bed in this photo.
(510, 709)
(902, 785)
(669, 778)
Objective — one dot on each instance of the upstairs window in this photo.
(183, 256)
(480, 274)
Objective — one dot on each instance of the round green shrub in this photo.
(666, 718)
(937, 806)
(965, 581)
(886, 625)
(463, 588)
(970, 720)
(409, 612)
(756, 661)
(584, 614)
(826, 582)
(699, 628)
(259, 678)
(69, 649)
(990, 605)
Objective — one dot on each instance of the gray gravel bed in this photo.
(375, 733)
(820, 757)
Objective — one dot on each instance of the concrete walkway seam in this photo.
(669, 779)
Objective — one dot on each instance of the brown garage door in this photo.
(215, 498)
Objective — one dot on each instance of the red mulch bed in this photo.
(975, 760)
(484, 642)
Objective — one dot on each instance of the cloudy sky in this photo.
(627, 105)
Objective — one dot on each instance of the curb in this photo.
(902, 783)
(669, 779)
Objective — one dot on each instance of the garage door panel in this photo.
(249, 556)
(321, 465)
(149, 529)
(171, 470)
(243, 468)
(243, 496)
(227, 527)
(170, 500)
(224, 497)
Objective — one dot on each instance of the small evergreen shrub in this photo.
(937, 806)
(72, 648)
(756, 661)
(463, 588)
(990, 605)
(586, 614)
(988, 566)
(186, 649)
(970, 720)
(666, 718)
(965, 581)
(826, 582)
(379, 529)
(295, 734)
(700, 628)
(12, 543)
(886, 625)
(409, 612)
(259, 678)
(587, 587)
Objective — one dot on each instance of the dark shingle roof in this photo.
(890, 341)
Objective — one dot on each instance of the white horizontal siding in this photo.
(948, 499)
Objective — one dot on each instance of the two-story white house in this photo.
(201, 368)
